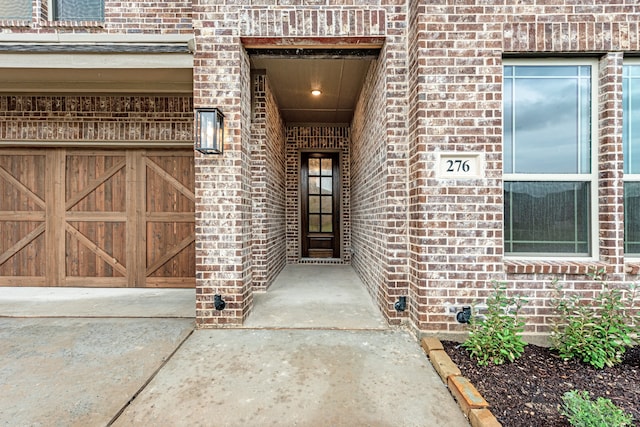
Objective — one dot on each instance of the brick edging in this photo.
(472, 404)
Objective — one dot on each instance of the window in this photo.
(631, 144)
(78, 10)
(15, 9)
(549, 183)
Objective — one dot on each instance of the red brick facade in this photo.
(108, 118)
(137, 17)
(436, 87)
(268, 171)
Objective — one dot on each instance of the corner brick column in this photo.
(223, 193)
(455, 224)
(396, 192)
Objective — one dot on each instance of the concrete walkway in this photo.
(316, 296)
(297, 367)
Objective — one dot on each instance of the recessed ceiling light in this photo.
(316, 92)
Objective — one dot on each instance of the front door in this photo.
(320, 175)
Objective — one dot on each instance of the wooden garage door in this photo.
(97, 218)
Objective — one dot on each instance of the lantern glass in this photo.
(209, 131)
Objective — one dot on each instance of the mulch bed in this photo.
(529, 391)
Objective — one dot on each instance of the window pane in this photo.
(632, 217)
(327, 223)
(314, 185)
(631, 118)
(327, 185)
(326, 167)
(15, 9)
(314, 204)
(327, 204)
(314, 223)
(79, 10)
(547, 119)
(314, 167)
(547, 217)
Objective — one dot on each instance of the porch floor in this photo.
(307, 296)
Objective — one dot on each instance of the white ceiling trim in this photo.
(95, 60)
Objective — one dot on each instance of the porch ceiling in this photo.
(293, 77)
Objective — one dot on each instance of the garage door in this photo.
(72, 217)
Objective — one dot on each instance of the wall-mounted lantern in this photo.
(209, 131)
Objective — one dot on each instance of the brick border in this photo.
(472, 404)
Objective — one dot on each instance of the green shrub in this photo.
(581, 411)
(496, 339)
(598, 332)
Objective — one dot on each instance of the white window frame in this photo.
(636, 176)
(592, 177)
(51, 4)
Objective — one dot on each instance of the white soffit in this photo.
(95, 60)
(96, 72)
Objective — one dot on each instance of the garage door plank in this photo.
(55, 234)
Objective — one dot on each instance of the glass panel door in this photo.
(320, 205)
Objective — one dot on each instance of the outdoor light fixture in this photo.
(218, 302)
(464, 316)
(209, 131)
(401, 304)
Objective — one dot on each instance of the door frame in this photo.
(337, 153)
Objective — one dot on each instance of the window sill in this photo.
(15, 23)
(522, 266)
(74, 24)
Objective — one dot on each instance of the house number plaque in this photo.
(455, 165)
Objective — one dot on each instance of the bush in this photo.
(496, 339)
(581, 411)
(597, 333)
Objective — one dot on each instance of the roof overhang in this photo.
(90, 65)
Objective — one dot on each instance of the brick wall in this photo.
(370, 171)
(136, 17)
(108, 118)
(221, 77)
(396, 275)
(610, 164)
(320, 138)
(223, 183)
(309, 18)
(380, 168)
(276, 207)
(456, 225)
(436, 87)
(419, 293)
(142, 16)
(268, 171)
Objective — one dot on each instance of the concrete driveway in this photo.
(79, 371)
(77, 356)
(146, 365)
